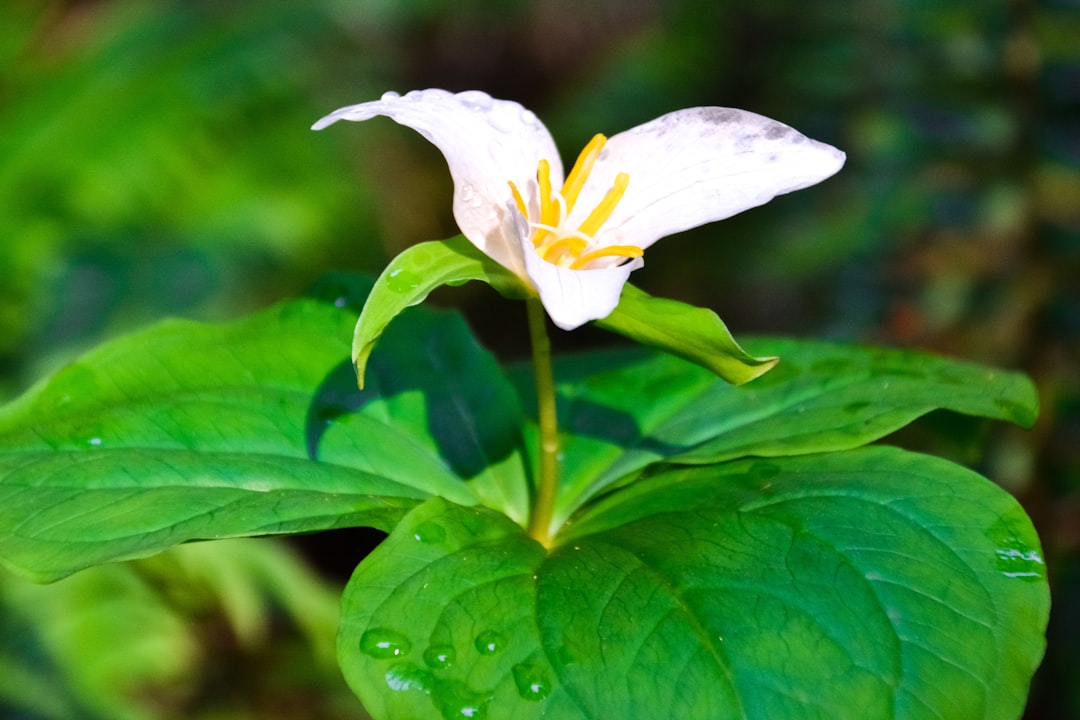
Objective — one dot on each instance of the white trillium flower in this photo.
(575, 239)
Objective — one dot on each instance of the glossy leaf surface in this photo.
(875, 582)
(188, 431)
(625, 410)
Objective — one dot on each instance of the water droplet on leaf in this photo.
(490, 642)
(406, 676)
(455, 699)
(439, 657)
(532, 681)
(383, 644)
(402, 281)
(429, 532)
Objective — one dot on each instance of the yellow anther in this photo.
(580, 172)
(567, 248)
(518, 200)
(626, 251)
(603, 211)
(559, 245)
(549, 207)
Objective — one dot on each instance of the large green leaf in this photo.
(187, 431)
(625, 410)
(873, 583)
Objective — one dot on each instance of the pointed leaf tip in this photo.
(692, 333)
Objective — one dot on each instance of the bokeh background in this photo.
(155, 159)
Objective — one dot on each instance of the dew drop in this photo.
(95, 441)
(470, 196)
(439, 657)
(532, 681)
(1020, 563)
(475, 100)
(455, 699)
(528, 117)
(490, 642)
(402, 281)
(390, 95)
(429, 532)
(406, 676)
(383, 644)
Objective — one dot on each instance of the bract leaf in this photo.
(625, 410)
(192, 431)
(409, 279)
(692, 333)
(895, 583)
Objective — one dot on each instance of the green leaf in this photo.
(412, 275)
(623, 411)
(190, 431)
(875, 582)
(692, 333)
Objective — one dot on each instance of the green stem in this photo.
(548, 477)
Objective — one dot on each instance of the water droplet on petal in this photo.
(528, 117)
(470, 196)
(490, 642)
(439, 657)
(383, 644)
(532, 681)
(390, 95)
(475, 100)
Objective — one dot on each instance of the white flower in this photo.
(576, 241)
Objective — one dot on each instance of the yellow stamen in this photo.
(627, 251)
(549, 209)
(518, 199)
(557, 251)
(580, 172)
(552, 241)
(603, 211)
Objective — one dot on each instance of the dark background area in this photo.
(155, 160)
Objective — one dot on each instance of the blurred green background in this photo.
(155, 159)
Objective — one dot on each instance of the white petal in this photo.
(487, 143)
(574, 297)
(695, 166)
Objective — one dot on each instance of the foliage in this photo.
(155, 160)
(710, 556)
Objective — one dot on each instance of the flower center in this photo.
(566, 246)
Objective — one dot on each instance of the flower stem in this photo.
(548, 477)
